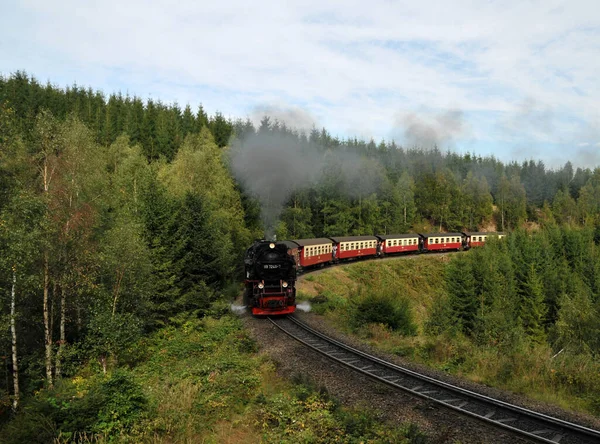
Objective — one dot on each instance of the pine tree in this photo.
(461, 292)
(533, 306)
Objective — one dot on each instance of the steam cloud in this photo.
(429, 130)
(292, 116)
(272, 166)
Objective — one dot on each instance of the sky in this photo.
(518, 79)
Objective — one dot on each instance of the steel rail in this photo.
(517, 419)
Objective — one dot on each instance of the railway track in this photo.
(526, 423)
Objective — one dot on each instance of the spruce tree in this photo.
(461, 292)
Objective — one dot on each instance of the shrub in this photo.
(382, 307)
(105, 406)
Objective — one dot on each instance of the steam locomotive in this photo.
(270, 284)
(271, 267)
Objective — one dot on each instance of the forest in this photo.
(118, 215)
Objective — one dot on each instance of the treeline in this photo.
(158, 128)
(407, 187)
(98, 246)
(395, 189)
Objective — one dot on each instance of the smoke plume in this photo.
(424, 130)
(272, 166)
(293, 116)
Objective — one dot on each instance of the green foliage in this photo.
(461, 293)
(382, 307)
(103, 406)
(110, 335)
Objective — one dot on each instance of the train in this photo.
(271, 268)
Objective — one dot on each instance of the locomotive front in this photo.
(270, 284)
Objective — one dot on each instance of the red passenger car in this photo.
(399, 243)
(442, 241)
(313, 252)
(349, 247)
(478, 239)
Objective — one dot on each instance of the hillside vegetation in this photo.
(195, 381)
(521, 314)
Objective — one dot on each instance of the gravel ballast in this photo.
(353, 389)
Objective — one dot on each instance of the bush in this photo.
(104, 406)
(381, 307)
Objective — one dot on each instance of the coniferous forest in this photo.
(122, 218)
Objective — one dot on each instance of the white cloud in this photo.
(350, 66)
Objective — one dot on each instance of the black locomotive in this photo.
(270, 284)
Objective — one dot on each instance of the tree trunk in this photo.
(61, 344)
(120, 274)
(47, 332)
(13, 330)
(502, 212)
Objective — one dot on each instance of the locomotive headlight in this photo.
(261, 285)
(271, 245)
(284, 284)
